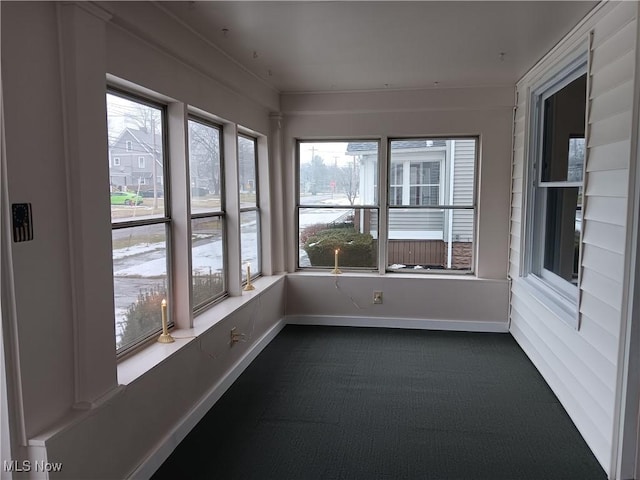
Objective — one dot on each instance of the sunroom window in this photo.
(140, 218)
(337, 204)
(431, 219)
(556, 190)
(208, 261)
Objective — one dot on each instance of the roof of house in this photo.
(357, 147)
(143, 137)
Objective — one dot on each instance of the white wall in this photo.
(485, 112)
(583, 366)
(55, 60)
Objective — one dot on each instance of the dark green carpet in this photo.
(364, 403)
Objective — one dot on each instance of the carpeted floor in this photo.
(364, 403)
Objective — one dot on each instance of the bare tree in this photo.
(348, 180)
(204, 155)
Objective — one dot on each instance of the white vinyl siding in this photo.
(581, 365)
(402, 224)
(463, 180)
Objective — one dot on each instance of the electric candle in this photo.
(164, 316)
(336, 270)
(164, 336)
(248, 285)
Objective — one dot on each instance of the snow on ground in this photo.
(205, 257)
(137, 250)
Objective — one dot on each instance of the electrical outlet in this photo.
(377, 298)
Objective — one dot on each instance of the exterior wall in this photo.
(417, 252)
(463, 183)
(582, 366)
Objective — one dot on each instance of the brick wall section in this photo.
(462, 255)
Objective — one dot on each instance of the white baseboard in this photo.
(191, 419)
(408, 323)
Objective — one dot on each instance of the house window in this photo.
(128, 146)
(431, 215)
(337, 204)
(116, 161)
(208, 251)
(249, 201)
(555, 193)
(140, 233)
(141, 162)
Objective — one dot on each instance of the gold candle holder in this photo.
(249, 286)
(336, 270)
(165, 337)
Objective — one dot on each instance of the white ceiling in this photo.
(308, 46)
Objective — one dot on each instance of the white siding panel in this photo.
(606, 316)
(612, 102)
(610, 183)
(607, 210)
(606, 236)
(611, 156)
(572, 354)
(518, 170)
(615, 46)
(612, 23)
(602, 287)
(605, 262)
(615, 73)
(516, 185)
(516, 200)
(594, 333)
(610, 130)
(556, 376)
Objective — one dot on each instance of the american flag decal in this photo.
(22, 226)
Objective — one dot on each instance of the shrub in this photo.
(356, 249)
(145, 315)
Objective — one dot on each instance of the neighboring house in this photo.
(135, 157)
(430, 174)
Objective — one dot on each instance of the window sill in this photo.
(137, 364)
(563, 307)
(425, 275)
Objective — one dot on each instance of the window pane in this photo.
(416, 172)
(564, 118)
(204, 167)
(338, 173)
(249, 242)
(136, 172)
(430, 239)
(139, 280)
(353, 232)
(207, 259)
(562, 232)
(247, 178)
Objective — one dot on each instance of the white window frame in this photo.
(128, 145)
(116, 161)
(220, 214)
(441, 206)
(558, 294)
(255, 208)
(165, 220)
(141, 162)
(373, 207)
